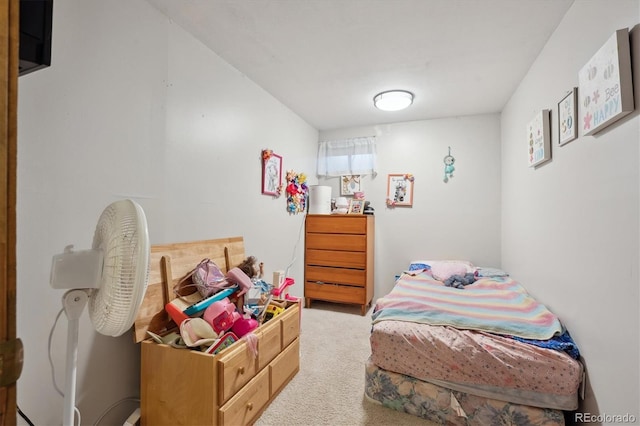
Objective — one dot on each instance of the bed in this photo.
(461, 345)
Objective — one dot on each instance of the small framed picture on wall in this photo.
(271, 172)
(400, 190)
(349, 184)
(567, 109)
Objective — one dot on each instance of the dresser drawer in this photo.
(269, 342)
(332, 224)
(334, 293)
(235, 369)
(290, 324)
(345, 259)
(247, 403)
(285, 366)
(337, 242)
(328, 275)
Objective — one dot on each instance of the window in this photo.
(355, 156)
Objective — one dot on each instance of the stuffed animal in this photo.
(459, 281)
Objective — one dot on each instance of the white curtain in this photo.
(356, 156)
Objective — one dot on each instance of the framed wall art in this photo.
(271, 173)
(349, 184)
(400, 190)
(539, 138)
(567, 110)
(606, 92)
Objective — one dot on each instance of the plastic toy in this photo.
(244, 326)
(204, 303)
(282, 292)
(273, 310)
(221, 315)
(224, 342)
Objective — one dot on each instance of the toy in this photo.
(204, 303)
(238, 277)
(282, 291)
(222, 343)
(221, 315)
(251, 267)
(459, 281)
(244, 326)
(273, 310)
(176, 314)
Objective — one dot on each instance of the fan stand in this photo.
(73, 302)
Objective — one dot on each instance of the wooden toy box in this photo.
(188, 387)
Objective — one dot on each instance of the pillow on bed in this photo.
(443, 269)
(485, 272)
(418, 266)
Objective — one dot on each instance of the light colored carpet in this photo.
(329, 388)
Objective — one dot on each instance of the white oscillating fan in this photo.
(112, 277)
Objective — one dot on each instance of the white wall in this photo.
(455, 220)
(185, 131)
(570, 228)
(132, 106)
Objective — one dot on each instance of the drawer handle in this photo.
(250, 405)
(241, 370)
(320, 282)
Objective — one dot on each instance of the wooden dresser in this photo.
(189, 387)
(339, 259)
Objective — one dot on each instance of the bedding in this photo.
(497, 305)
(489, 340)
(441, 405)
(482, 363)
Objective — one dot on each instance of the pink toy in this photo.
(244, 326)
(237, 276)
(283, 291)
(221, 315)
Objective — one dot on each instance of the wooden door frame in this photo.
(9, 45)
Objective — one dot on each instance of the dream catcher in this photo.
(448, 166)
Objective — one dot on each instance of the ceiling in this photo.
(326, 59)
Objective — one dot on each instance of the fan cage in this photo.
(122, 235)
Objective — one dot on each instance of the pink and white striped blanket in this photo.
(497, 305)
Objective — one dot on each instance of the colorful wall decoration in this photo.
(539, 138)
(296, 190)
(606, 91)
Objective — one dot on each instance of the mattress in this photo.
(478, 363)
(444, 406)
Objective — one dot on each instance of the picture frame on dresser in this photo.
(356, 206)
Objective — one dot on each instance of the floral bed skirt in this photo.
(447, 407)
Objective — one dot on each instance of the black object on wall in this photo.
(35, 35)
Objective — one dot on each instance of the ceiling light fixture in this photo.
(393, 100)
